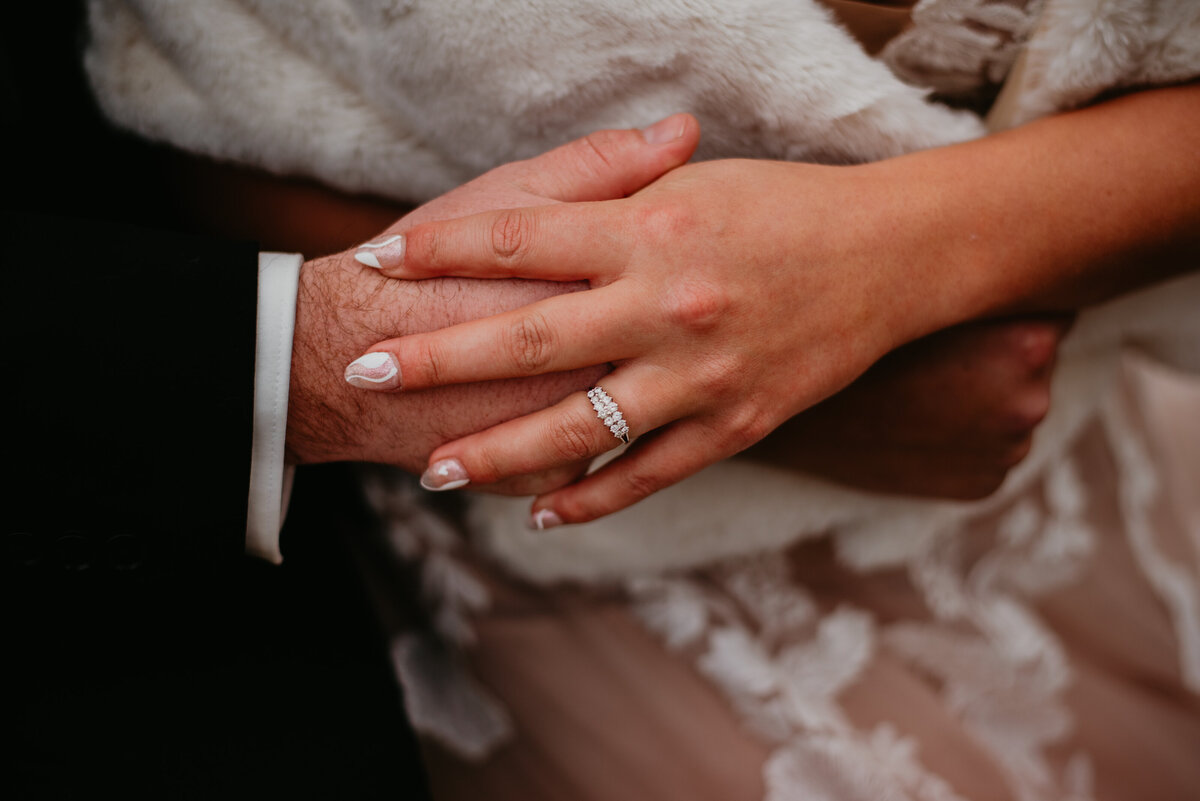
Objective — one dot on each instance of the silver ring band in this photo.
(609, 414)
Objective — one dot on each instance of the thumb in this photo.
(611, 164)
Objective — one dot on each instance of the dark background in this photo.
(135, 664)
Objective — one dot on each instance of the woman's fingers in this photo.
(556, 243)
(665, 458)
(568, 432)
(552, 335)
(607, 164)
(539, 483)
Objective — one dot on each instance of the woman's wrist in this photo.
(1053, 216)
(910, 230)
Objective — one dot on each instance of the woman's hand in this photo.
(344, 306)
(730, 295)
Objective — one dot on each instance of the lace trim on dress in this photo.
(1137, 492)
(1000, 668)
(760, 639)
(443, 700)
(756, 633)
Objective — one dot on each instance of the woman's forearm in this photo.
(1057, 214)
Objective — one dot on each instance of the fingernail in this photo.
(376, 370)
(445, 474)
(384, 253)
(543, 519)
(664, 131)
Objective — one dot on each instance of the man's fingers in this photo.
(566, 433)
(553, 335)
(610, 164)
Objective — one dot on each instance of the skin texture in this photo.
(734, 295)
(946, 416)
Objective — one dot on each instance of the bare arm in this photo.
(1054, 215)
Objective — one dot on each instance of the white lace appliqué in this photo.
(441, 697)
(758, 635)
(782, 660)
(760, 638)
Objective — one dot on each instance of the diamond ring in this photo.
(609, 414)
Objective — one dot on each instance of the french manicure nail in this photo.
(543, 519)
(384, 253)
(376, 370)
(445, 474)
(664, 131)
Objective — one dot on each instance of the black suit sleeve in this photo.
(131, 367)
(130, 345)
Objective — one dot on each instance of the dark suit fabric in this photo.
(146, 654)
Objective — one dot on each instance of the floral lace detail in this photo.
(758, 636)
(1176, 586)
(962, 49)
(441, 697)
(999, 667)
(782, 660)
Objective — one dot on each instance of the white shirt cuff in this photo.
(270, 479)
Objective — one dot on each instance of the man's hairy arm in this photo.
(342, 308)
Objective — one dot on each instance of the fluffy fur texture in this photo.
(409, 98)
(1082, 48)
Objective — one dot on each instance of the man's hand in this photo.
(946, 416)
(344, 306)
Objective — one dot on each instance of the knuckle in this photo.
(572, 438)
(745, 427)
(596, 146)
(639, 484)
(422, 248)
(718, 376)
(695, 306)
(574, 509)
(1037, 344)
(429, 364)
(665, 220)
(485, 466)
(1014, 455)
(510, 234)
(530, 343)
(1028, 411)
